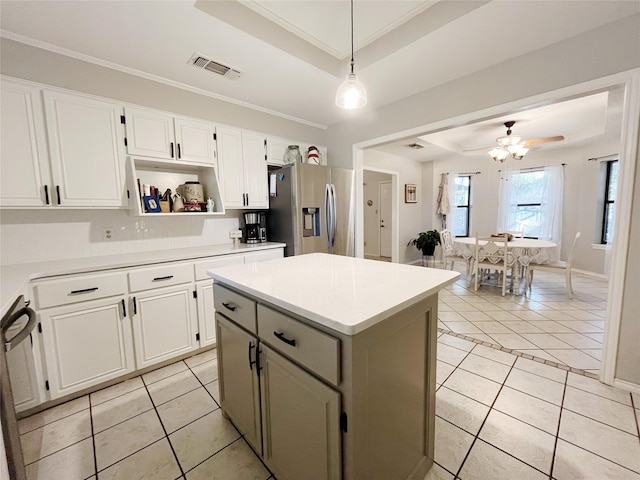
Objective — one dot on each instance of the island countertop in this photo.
(345, 294)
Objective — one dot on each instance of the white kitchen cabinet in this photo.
(159, 134)
(86, 344)
(21, 362)
(25, 178)
(243, 168)
(206, 313)
(164, 324)
(86, 147)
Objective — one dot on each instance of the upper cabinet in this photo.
(84, 163)
(157, 134)
(24, 161)
(86, 146)
(243, 168)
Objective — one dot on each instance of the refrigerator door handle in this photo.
(334, 218)
(328, 214)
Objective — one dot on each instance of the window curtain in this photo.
(551, 194)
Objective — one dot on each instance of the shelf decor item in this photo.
(151, 204)
(292, 154)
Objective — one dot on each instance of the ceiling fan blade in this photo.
(479, 149)
(535, 141)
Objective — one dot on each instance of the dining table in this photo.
(524, 252)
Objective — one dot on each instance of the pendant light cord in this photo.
(352, 62)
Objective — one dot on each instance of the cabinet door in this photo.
(194, 140)
(24, 161)
(86, 344)
(149, 133)
(206, 313)
(238, 379)
(276, 148)
(231, 167)
(255, 170)
(87, 151)
(300, 421)
(22, 371)
(164, 324)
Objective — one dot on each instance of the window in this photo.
(531, 201)
(462, 201)
(609, 210)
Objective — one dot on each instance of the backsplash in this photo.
(40, 235)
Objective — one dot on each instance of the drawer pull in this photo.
(84, 290)
(281, 336)
(158, 279)
(229, 306)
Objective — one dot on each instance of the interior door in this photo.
(384, 190)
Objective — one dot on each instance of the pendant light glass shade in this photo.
(351, 93)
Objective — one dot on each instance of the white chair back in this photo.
(447, 241)
(572, 252)
(491, 250)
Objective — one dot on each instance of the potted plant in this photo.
(426, 242)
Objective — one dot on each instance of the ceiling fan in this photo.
(514, 145)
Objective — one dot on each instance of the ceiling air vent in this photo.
(215, 67)
(415, 146)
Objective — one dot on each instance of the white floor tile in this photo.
(155, 462)
(539, 354)
(577, 340)
(494, 354)
(512, 341)
(575, 359)
(203, 357)
(236, 462)
(72, 463)
(535, 385)
(214, 389)
(545, 340)
(170, 387)
(551, 326)
(473, 386)
(485, 367)
(164, 372)
(119, 409)
(451, 445)
(602, 409)
(594, 386)
(529, 409)
(185, 409)
(492, 327)
(450, 355)
(541, 369)
(116, 390)
(40, 419)
(573, 462)
(206, 372)
(456, 342)
(462, 327)
(608, 442)
(487, 462)
(438, 473)
(462, 411)
(443, 370)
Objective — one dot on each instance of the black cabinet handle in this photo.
(179, 153)
(280, 336)
(58, 193)
(135, 306)
(84, 290)
(171, 149)
(158, 279)
(251, 363)
(124, 309)
(229, 306)
(46, 194)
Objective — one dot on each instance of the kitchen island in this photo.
(327, 364)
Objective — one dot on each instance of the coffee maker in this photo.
(254, 227)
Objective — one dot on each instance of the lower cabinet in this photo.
(164, 324)
(86, 343)
(287, 415)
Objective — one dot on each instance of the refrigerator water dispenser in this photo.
(310, 222)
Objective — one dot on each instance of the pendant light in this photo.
(351, 93)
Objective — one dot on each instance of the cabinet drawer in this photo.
(79, 289)
(201, 267)
(163, 276)
(311, 348)
(236, 307)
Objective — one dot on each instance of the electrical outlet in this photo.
(107, 233)
(235, 233)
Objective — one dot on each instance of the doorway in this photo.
(379, 221)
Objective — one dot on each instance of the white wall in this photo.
(371, 216)
(411, 218)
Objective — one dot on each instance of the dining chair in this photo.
(492, 253)
(556, 266)
(449, 253)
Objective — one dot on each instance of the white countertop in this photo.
(345, 294)
(14, 278)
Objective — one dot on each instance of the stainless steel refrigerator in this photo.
(311, 209)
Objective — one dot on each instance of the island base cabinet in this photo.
(301, 421)
(239, 387)
(86, 344)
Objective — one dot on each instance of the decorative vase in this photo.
(292, 155)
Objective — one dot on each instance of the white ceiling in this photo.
(403, 47)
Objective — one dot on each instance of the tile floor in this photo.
(498, 417)
(545, 323)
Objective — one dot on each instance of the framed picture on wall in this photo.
(410, 193)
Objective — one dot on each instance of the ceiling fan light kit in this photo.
(509, 145)
(351, 93)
